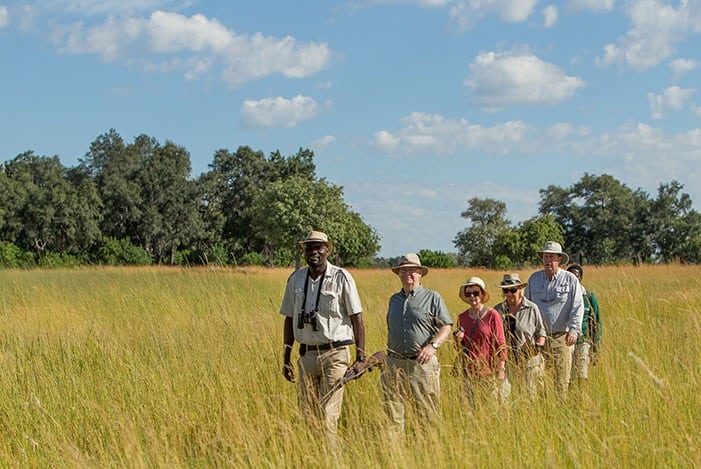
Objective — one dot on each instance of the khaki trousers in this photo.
(581, 360)
(406, 381)
(318, 372)
(530, 375)
(558, 358)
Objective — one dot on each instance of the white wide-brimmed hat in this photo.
(555, 248)
(474, 281)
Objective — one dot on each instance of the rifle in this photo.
(377, 359)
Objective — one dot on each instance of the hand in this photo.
(356, 369)
(457, 337)
(501, 374)
(426, 354)
(571, 338)
(288, 372)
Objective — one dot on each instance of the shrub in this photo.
(122, 252)
(10, 255)
(252, 258)
(53, 259)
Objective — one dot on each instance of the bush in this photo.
(54, 259)
(10, 255)
(218, 254)
(122, 252)
(252, 258)
(437, 259)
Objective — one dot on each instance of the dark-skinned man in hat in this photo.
(323, 314)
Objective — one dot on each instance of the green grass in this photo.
(159, 367)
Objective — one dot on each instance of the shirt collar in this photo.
(418, 288)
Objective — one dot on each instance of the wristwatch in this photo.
(435, 345)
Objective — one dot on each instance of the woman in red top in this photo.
(482, 344)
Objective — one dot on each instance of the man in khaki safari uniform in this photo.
(323, 313)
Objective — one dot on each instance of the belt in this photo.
(555, 335)
(325, 347)
(402, 356)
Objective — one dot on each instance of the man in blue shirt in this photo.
(558, 295)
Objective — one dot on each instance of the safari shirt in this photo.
(413, 319)
(559, 300)
(339, 300)
(528, 324)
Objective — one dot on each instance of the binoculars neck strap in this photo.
(318, 292)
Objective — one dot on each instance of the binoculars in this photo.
(308, 318)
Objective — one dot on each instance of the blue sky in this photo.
(413, 106)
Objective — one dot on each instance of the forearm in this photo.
(359, 335)
(288, 340)
(442, 335)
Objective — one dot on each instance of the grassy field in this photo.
(159, 367)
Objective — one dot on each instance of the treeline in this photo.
(598, 220)
(136, 203)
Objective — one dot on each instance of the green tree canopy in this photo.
(488, 221)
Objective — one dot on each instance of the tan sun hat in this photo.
(410, 260)
(317, 237)
(555, 248)
(474, 281)
(512, 280)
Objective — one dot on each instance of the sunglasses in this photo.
(472, 293)
(509, 290)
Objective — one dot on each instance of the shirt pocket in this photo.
(329, 303)
(299, 300)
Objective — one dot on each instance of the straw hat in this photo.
(512, 280)
(317, 237)
(410, 260)
(474, 281)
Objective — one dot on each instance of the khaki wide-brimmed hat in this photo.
(511, 281)
(410, 260)
(555, 248)
(317, 237)
(474, 281)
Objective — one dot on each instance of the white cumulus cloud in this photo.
(506, 79)
(593, 5)
(466, 13)
(672, 99)
(682, 66)
(550, 16)
(195, 45)
(656, 28)
(4, 16)
(434, 133)
(278, 111)
(103, 7)
(322, 143)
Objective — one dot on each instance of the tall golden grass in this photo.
(156, 367)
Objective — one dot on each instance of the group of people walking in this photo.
(548, 322)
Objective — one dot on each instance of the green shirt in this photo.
(413, 319)
(591, 323)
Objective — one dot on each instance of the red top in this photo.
(485, 344)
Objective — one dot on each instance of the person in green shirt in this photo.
(588, 344)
